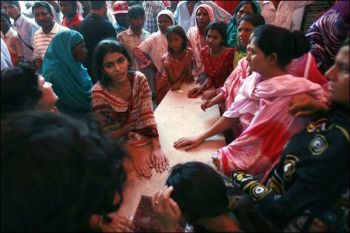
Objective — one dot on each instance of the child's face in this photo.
(175, 42)
(213, 39)
(164, 22)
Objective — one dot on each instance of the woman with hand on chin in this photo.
(122, 104)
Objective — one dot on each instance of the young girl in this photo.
(122, 103)
(245, 27)
(149, 53)
(261, 106)
(298, 67)
(177, 63)
(216, 57)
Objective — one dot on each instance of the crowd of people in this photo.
(80, 81)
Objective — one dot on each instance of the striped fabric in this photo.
(131, 40)
(42, 40)
(132, 120)
(328, 33)
(312, 13)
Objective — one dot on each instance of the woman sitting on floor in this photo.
(261, 106)
(62, 66)
(122, 104)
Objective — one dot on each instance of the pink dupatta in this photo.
(304, 66)
(265, 106)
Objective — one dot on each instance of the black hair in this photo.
(5, 16)
(12, 2)
(136, 11)
(73, 3)
(254, 18)
(43, 4)
(19, 88)
(198, 189)
(107, 46)
(56, 171)
(242, 3)
(220, 27)
(285, 44)
(96, 5)
(178, 30)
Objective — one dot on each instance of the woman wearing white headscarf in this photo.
(196, 35)
(149, 53)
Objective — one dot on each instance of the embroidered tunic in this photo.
(132, 120)
(217, 68)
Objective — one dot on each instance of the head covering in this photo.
(209, 9)
(231, 33)
(168, 13)
(120, 7)
(69, 78)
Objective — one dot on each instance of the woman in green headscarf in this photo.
(243, 8)
(62, 66)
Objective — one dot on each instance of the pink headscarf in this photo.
(208, 9)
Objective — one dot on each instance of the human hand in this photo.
(175, 87)
(216, 164)
(216, 159)
(207, 104)
(166, 210)
(188, 143)
(159, 160)
(208, 95)
(194, 92)
(117, 223)
(142, 164)
(305, 105)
